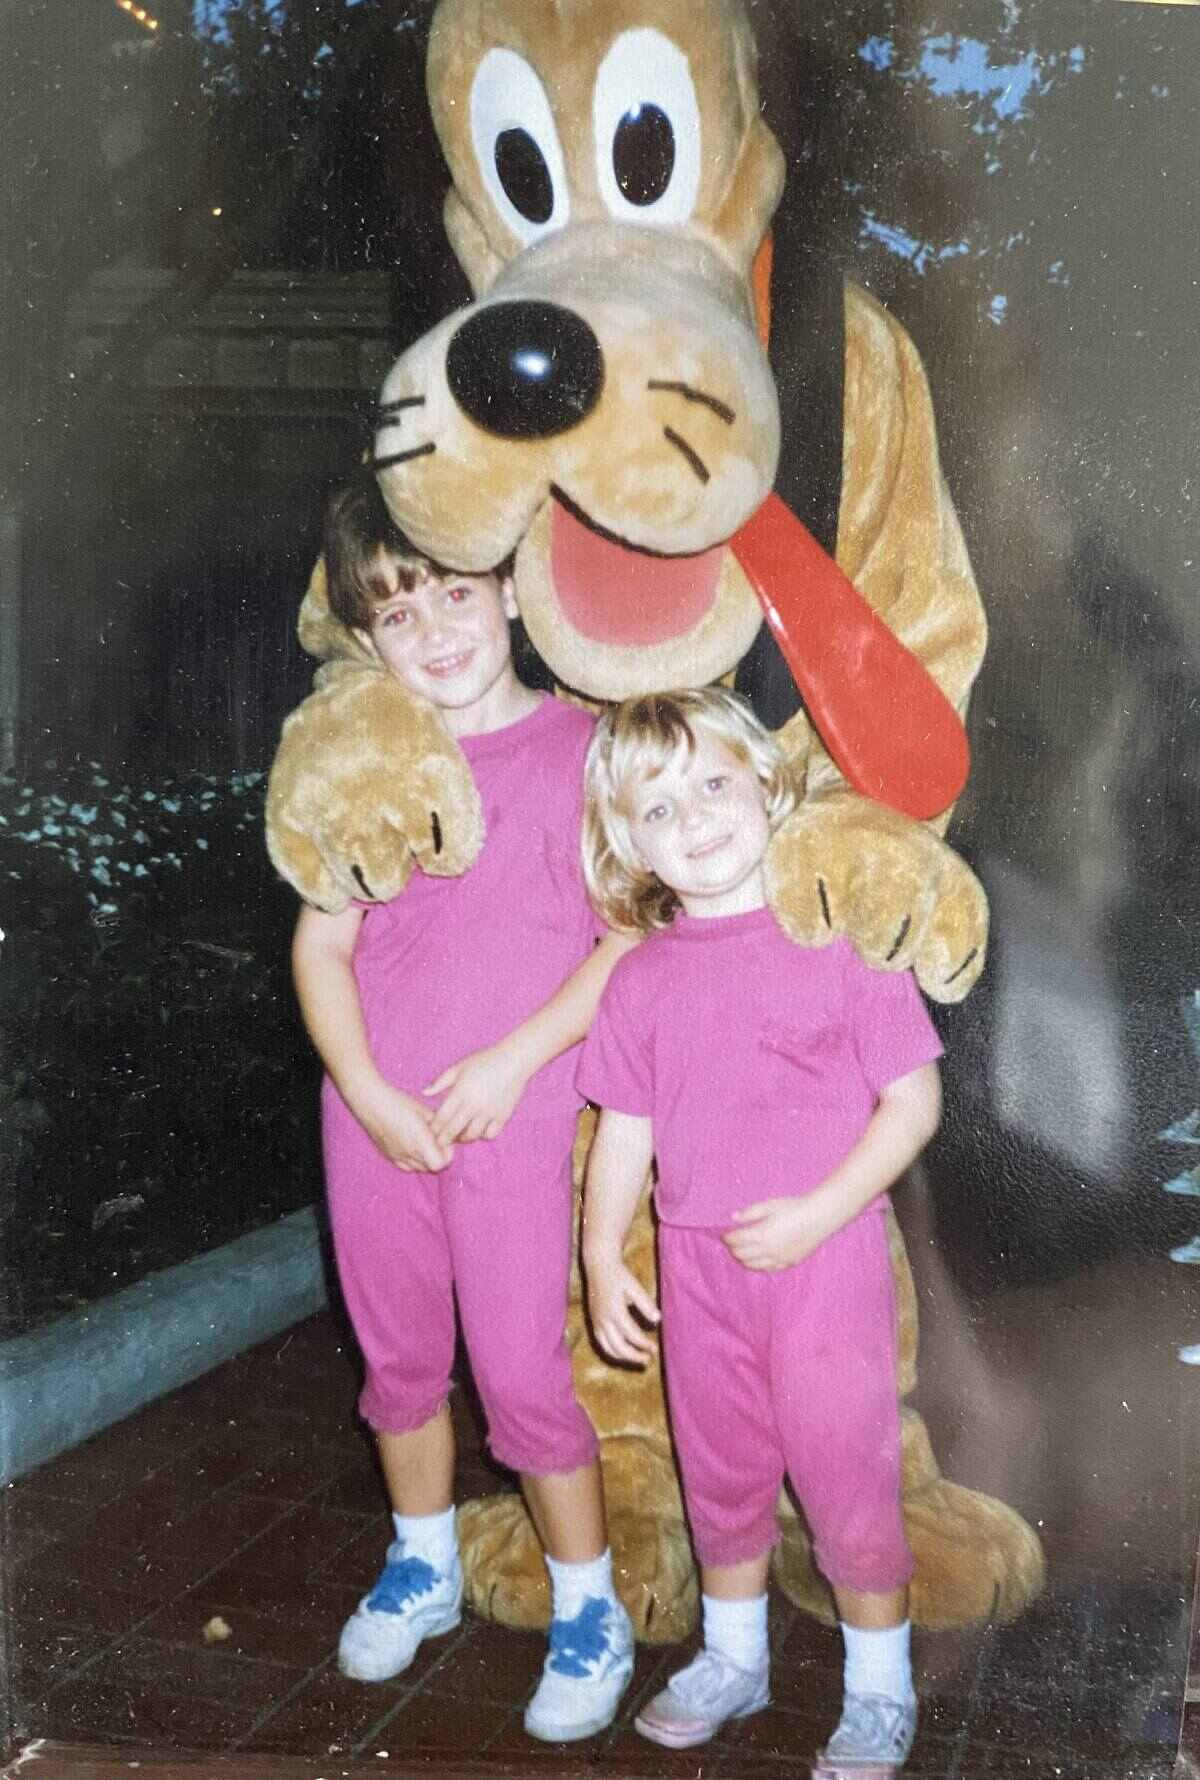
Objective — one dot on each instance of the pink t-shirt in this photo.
(453, 964)
(759, 1061)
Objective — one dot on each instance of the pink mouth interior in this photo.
(612, 593)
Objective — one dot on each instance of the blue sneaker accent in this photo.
(587, 1669)
(401, 1583)
(576, 1645)
(411, 1602)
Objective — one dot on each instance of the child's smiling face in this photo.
(700, 825)
(447, 640)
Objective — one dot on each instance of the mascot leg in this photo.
(976, 1559)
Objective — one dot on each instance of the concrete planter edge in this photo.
(69, 1380)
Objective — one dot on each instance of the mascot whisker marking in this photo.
(403, 457)
(721, 409)
(692, 458)
(390, 408)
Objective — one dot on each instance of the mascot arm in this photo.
(366, 782)
(843, 864)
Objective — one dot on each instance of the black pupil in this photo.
(523, 173)
(644, 154)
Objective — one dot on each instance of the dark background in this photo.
(1018, 187)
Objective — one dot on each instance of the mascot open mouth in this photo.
(612, 592)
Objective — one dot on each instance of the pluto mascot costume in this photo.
(712, 460)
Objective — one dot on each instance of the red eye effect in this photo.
(459, 594)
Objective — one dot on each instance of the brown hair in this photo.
(635, 741)
(358, 531)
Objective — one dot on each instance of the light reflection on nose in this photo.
(533, 364)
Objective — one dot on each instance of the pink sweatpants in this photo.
(790, 1372)
(494, 1231)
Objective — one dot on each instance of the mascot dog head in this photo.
(605, 407)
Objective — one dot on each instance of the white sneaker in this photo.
(872, 1741)
(587, 1669)
(1190, 1355)
(694, 1704)
(1188, 1252)
(411, 1602)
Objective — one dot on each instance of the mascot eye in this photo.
(643, 154)
(524, 175)
(646, 126)
(516, 146)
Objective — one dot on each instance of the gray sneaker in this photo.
(872, 1742)
(698, 1700)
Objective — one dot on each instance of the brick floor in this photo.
(252, 1496)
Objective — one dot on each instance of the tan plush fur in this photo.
(361, 769)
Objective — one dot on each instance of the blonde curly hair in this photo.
(634, 742)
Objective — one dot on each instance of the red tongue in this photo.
(625, 597)
(889, 728)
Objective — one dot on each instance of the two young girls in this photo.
(781, 1090)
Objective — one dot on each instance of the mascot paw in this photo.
(367, 784)
(976, 1561)
(506, 1578)
(844, 865)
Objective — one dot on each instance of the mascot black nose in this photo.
(525, 370)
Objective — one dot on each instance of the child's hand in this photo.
(402, 1130)
(777, 1233)
(613, 1294)
(481, 1095)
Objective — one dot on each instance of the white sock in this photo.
(737, 1630)
(573, 1584)
(879, 1662)
(429, 1536)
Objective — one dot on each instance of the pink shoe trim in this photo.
(672, 1733)
(687, 1733)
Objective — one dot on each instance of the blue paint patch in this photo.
(1191, 1021)
(878, 52)
(898, 241)
(953, 66)
(1186, 1130)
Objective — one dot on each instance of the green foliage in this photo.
(157, 1094)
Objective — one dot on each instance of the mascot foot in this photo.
(976, 1559)
(506, 1576)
